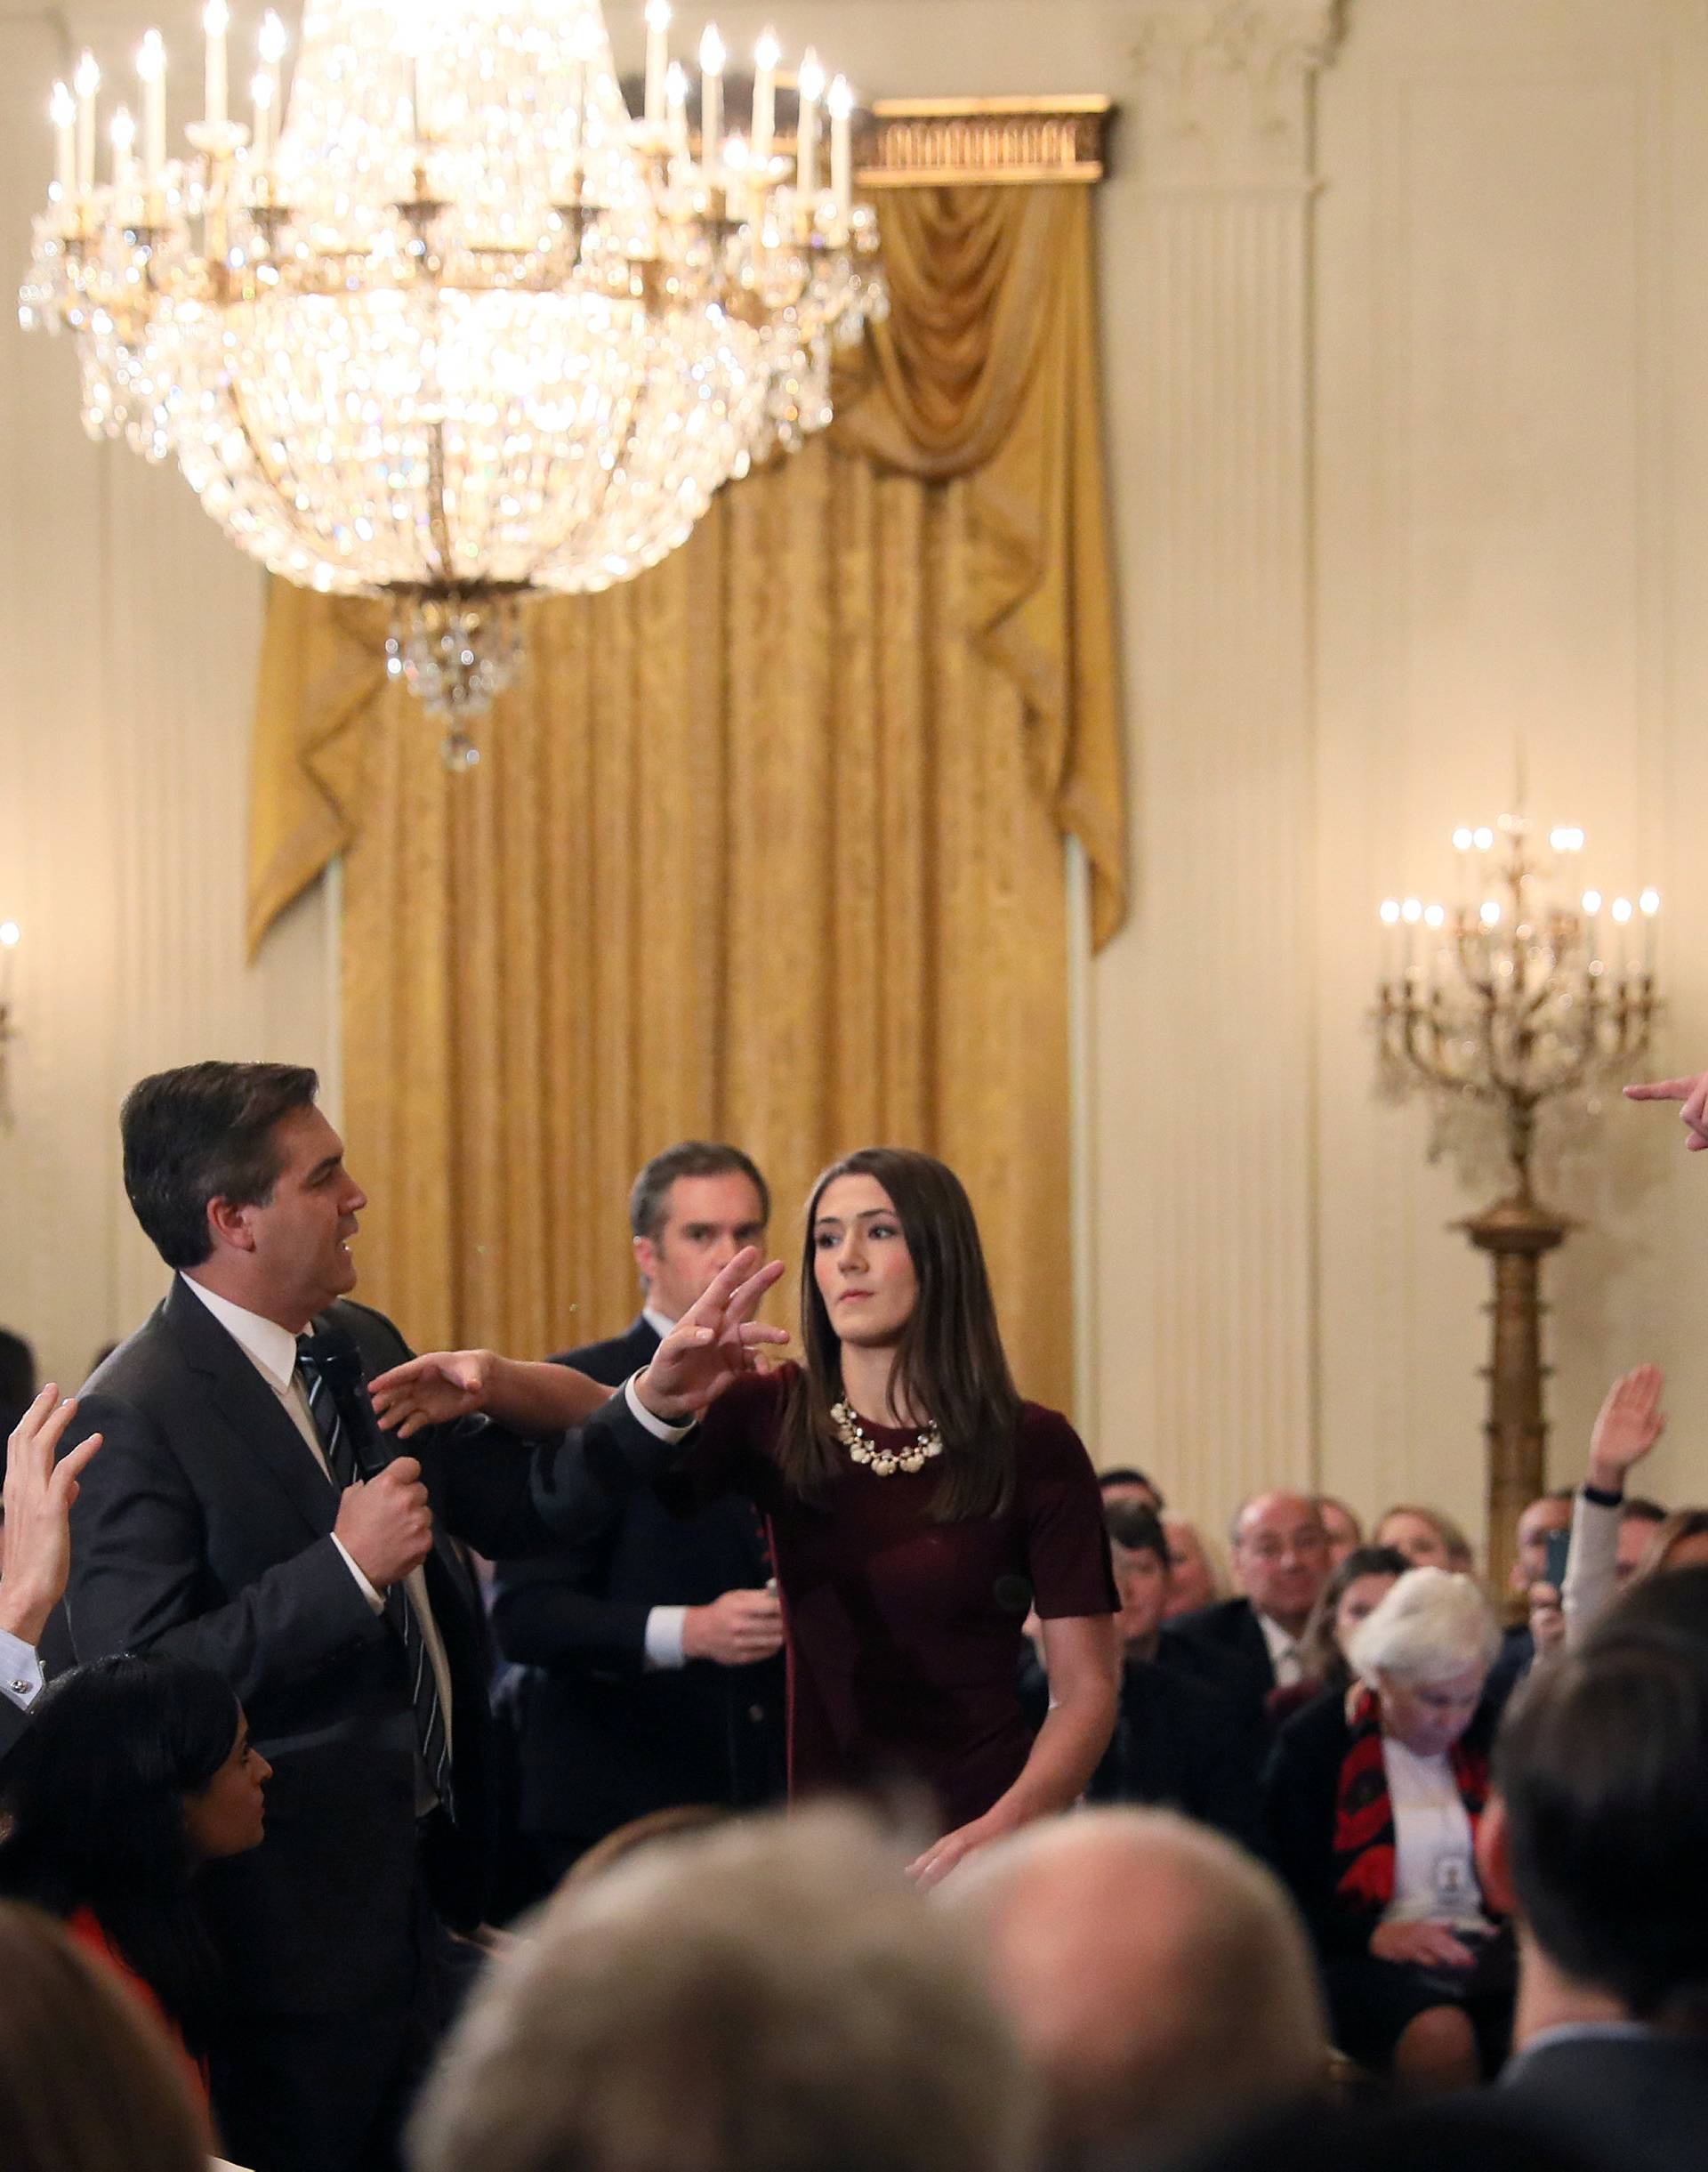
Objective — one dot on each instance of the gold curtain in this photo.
(765, 844)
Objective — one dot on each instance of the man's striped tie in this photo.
(340, 1461)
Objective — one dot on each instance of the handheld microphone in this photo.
(340, 1363)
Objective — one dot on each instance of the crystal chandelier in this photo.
(460, 331)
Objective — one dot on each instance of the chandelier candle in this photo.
(62, 110)
(462, 356)
(766, 53)
(810, 82)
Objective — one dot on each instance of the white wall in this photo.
(1406, 426)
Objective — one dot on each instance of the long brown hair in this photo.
(949, 1359)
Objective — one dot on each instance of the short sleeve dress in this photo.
(903, 1635)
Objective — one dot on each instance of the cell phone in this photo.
(1555, 1547)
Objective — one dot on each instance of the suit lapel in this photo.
(249, 1409)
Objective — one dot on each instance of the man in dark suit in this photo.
(1596, 1838)
(245, 1512)
(1250, 1645)
(37, 1549)
(1178, 1743)
(649, 1674)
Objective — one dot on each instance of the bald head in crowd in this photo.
(1280, 1548)
(764, 1998)
(1159, 1978)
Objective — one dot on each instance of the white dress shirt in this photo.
(21, 1678)
(1283, 1652)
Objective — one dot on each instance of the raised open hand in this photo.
(39, 1492)
(713, 1342)
(1693, 1092)
(1630, 1422)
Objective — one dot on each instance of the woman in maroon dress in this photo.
(917, 1507)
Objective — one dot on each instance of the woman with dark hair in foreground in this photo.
(133, 1773)
(917, 1508)
(86, 2083)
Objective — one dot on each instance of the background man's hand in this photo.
(735, 1630)
(1547, 1620)
(714, 1341)
(1628, 1425)
(386, 1524)
(36, 1545)
(1693, 1092)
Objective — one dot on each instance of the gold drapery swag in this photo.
(765, 844)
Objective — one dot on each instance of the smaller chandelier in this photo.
(450, 327)
(1522, 992)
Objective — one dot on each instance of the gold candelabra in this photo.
(1507, 1001)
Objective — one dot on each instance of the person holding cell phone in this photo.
(1374, 1799)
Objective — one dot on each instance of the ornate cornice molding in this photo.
(1226, 89)
(915, 142)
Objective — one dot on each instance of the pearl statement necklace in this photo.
(884, 1461)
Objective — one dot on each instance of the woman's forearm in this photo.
(529, 1397)
(1068, 1749)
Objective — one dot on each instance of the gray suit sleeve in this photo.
(140, 1580)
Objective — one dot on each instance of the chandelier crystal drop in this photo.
(451, 328)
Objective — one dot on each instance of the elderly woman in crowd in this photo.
(1372, 1801)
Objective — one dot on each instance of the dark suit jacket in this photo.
(1223, 1645)
(14, 1720)
(1635, 2103)
(601, 1739)
(1179, 1742)
(203, 1529)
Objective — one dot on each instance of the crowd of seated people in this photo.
(1352, 1840)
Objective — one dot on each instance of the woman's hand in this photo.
(1629, 1424)
(1693, 1092)
(713, 1342)
(944, 1855)
(435, 1389)
(1425, 1945)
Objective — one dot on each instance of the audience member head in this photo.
(1551, 1512)
(1123, 1483)
(1356, 1587)
(19, 1386)
(238, 1179)
(893, 1267)
(1599, 1829)
(1159, 1978)
(87, 2082)
(1637, 1520)
(1426, 1651)
(1427, 1538)
(1193, 1578)
(132, 1773)
(1139, 1554)
(692, 1208)
(1344, 1530)
(765, 1998)
(1281, 1556)
(1678, 1541)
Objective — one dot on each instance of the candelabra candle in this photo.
(88, 84)
(841, 107)
(216, 21)
(151, 70)
(62, 110)
(811, 85)
(657, 60)
(766, 53)
(711, 104)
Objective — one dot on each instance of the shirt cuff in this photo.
(665, 1629)
(375, 1599)
(657, 1426)
(21, 1680)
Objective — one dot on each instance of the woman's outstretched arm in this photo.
(1082, 1654)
